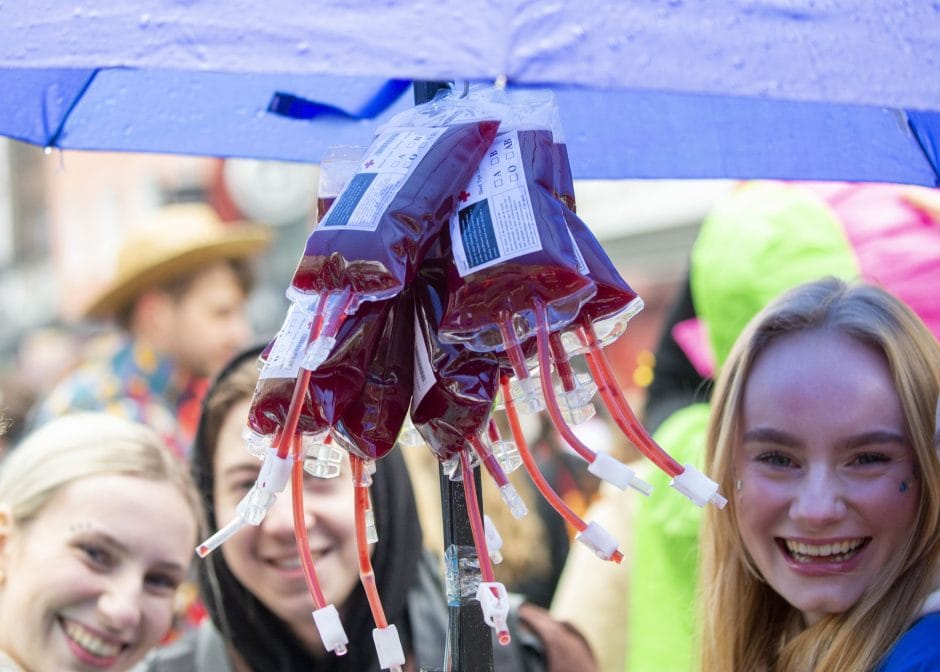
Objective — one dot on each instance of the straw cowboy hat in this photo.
(179, 239)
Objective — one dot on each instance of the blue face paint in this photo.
(904, 487)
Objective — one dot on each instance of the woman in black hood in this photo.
(252, 587)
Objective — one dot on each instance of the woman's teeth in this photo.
(837, 552)
(91, 642)
(287, 563)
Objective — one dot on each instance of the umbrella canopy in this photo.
(675, 89)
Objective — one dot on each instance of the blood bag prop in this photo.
(447, 276)
(514, 272)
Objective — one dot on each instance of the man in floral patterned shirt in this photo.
(179, 297)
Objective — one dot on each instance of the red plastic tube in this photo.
(535, 473)
(619, 408)
(551, 404)
(366, 575)
(300, 526)
(476, 526)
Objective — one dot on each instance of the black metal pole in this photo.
(469, 646)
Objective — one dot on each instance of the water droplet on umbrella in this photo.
(144, 20)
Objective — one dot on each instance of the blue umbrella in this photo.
(781, 89)
(812, 89)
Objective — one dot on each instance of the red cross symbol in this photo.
(463, 196)
(368, 164)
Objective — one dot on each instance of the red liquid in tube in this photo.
(370, 424)
(550, 274)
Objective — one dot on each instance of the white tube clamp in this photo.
(388, 647)
(331, 629)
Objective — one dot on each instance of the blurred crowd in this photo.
(155, 339)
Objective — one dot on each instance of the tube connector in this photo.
(409, 436)
(599, 540)
(257, 444)
(322, 459)
(221, 536)
(698, 487)
(495, 604)
(251, 510)
(527, 394)
(331, 629)
(576, 406)
(616, 473)
(507, 454)
(388, 647)
(516, 506)
(494, 542)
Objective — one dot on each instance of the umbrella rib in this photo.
(921, 134)
(54, 137)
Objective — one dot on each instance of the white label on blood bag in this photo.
(424, 374)
(289, 345)
(494, 220)
(387, 164)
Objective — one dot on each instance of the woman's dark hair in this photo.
(260, 637)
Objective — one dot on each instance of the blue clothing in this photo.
(918, 650)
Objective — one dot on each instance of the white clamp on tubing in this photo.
(331, 629)
(516, 506)
(494, 542)
(251, 510)
(388, 647)
(698, 487)
(618, 474)
(495, 605)
(599, 540)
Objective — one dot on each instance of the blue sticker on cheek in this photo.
(904, 487)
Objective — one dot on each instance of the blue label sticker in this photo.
(477, 234)
(342, 209)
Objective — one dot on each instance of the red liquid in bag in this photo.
(378, 263)
(550, 275)
(335, 382)
(269, 407)
(457, 399)
(370, 424)
(340, 379)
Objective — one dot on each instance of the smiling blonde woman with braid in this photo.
(823, 431)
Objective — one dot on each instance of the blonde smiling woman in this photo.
(98, 521)
(823, 431)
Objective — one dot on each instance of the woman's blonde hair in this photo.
(744, 624)
(83, 445)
